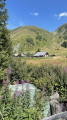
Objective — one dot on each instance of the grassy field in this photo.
(57, 60)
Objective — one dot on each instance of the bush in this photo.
(38, 50)
(3, 64)
(38, 37)
(51, 78)
(64, 44)
(30, 40)
(18, 106)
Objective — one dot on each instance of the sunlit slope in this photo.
(30, 38)
(61, 34)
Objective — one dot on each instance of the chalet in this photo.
(41, 54)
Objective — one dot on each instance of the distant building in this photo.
(41, 54)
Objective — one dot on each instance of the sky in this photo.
(46, 14)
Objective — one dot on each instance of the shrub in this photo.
(18, 106)
(30, 40)
(64, 44)
(38, 37)
(51, 78)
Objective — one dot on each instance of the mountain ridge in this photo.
(32, 38)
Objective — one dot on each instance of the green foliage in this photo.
(44, 39)
(30, 40)
(3, 64)
(38, 37)
(4, 34)
(39, 103)
(5, 43)
(38, 50)
(20, 70)
(51, 78)
(64, 44)
(29, 55)
(62, 32)
(3, 14)
(19, 105)
(62, 28)
(65, 35)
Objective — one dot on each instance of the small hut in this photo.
(41, 54)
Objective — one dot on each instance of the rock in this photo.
(54, 96)
(54, 104)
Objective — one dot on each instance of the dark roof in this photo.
(40, 54)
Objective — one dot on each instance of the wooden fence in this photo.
(62, 115)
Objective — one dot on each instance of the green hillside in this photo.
(30, 38)
(62, 35)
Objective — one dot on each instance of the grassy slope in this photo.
(20, 34)
(50, 42)
(60, 35)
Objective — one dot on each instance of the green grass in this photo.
(57, 60)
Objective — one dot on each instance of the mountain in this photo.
(31, 38)
(61, 34)
(62, 29)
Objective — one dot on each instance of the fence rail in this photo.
(62, 115)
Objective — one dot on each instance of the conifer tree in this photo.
(5, 42)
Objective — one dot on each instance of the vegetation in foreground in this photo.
(47, 78)
(5, 42)
(51, 78)
(18, 106)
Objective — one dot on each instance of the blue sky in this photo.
(47, 14)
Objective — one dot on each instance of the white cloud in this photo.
(35, 14)
(64, 14)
